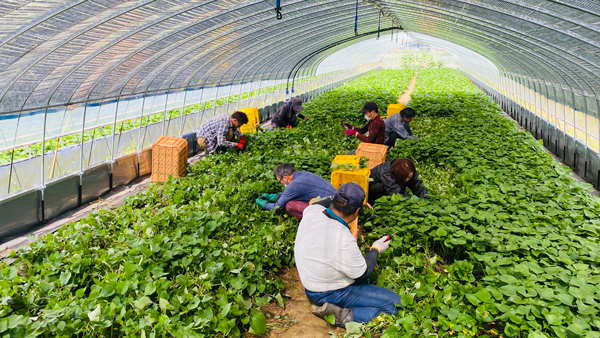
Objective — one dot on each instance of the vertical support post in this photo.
(43, 186)
(182, 112)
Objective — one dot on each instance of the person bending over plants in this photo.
(393, 177)
(300, 188)
(375, 125)
(286, 116)
(397, 127)
(218, 132)
(331, 266)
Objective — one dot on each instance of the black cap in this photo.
(369, 106)
(352, 194)
(297, 104)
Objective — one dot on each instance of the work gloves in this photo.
(350, 132)
(262, 203)
(381, 244)
(239, 146)
(269, 197)
(243, 140)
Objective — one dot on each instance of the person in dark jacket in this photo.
(394, 177)
(397, 127)
(287, 115)
(300, 188)
(375, 126)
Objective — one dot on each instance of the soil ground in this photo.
(296, 320)
(404, 99)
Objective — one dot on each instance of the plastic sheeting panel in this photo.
(20, 213)
(61, 196)
(125, 170)
(96, 182)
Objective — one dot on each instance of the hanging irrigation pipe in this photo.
(302, 61)
(278, 10)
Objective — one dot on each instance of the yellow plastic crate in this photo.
(376, 153)
(360, 177)
(394, 109)
(344, 159)
(253, 119)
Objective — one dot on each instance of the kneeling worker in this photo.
(375, 126)
(397, 127)
(300, 188)
(286, 115)
(331, 266)
(393, 177)
(218, 132)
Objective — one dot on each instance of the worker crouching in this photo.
(300, 188)
(375, 125)
(217, 134)
(331, 266)
(393, 177)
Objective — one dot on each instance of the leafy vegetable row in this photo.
(509, 246)
(192, 257)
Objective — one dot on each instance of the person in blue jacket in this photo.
(300, 188)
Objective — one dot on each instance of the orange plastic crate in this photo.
(360, 177)
(375, 152)
(169, 157)
(394, 109)
(253, 119)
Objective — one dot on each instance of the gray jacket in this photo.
(396, 124)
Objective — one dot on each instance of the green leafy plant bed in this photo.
(193, 257)
(508, 247)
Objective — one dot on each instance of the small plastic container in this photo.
(253, 119)
(169, 157)
(375, 152)
(360, 177)
(394, 109)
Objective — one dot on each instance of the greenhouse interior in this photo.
(300, 168)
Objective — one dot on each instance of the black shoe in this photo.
(342, 316)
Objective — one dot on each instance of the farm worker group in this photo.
(330, 263)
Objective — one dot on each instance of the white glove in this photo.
(381, 244)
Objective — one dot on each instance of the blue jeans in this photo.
(367, 301)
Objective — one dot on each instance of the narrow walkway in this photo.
(296, 320)
(404, 99)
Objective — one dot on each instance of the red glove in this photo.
(243, 140)
(239, 145)
(289, 127)
(350, 132)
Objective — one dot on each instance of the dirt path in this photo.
(404, 99)
(295, 320)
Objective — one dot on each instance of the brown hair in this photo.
(240, 116)
(402, 169)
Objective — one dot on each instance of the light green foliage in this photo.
(193, 257)
(510, 244)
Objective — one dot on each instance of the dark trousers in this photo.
(391, 139)
(376, 190)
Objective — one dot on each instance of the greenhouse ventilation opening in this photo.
(88, 86)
